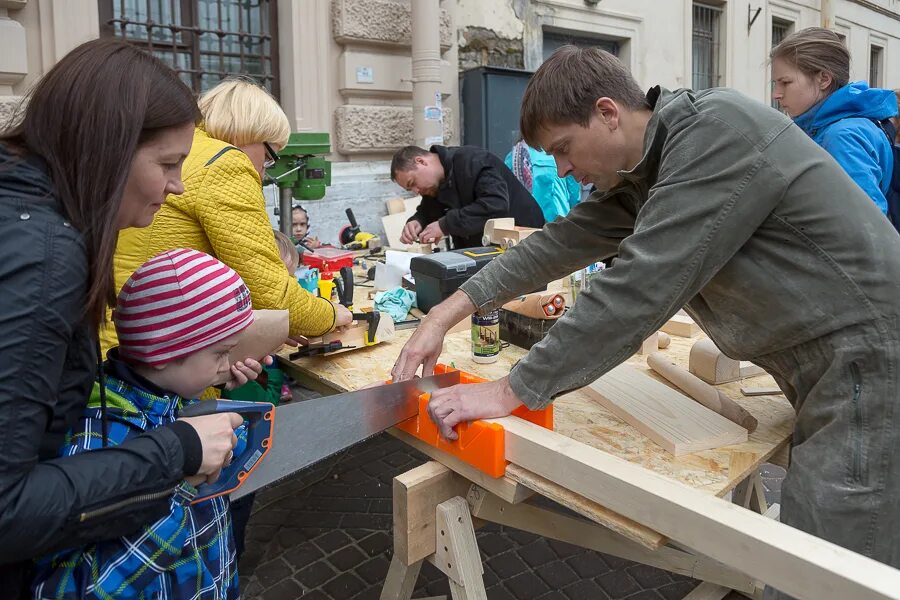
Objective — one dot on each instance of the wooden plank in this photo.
(669, 418)
(550, 524)
(503, 487)
(682, 326)
(627, 528)
(416, 493)
(786, 558)
(773, 390)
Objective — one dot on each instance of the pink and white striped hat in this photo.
(178, 303)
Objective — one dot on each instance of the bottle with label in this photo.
(486, 336)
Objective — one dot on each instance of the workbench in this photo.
(715, 472)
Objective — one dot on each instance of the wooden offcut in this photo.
(667, 417)
(772, 390)
(712, 366)
(682, 326)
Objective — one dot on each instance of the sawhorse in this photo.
(436, 511)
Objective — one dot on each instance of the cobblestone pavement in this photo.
(327, 534)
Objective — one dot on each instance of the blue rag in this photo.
(395, 302)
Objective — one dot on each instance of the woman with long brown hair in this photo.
(97, 148)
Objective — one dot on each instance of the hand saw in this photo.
(284, 440)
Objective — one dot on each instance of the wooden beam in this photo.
(416, 494)
(669, 418)
(553, 525)
(788, 559)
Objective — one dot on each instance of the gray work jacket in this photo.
(734, 213)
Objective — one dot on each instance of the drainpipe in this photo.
(828, 14)
(426, 73)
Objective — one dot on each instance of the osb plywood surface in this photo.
(577, 416)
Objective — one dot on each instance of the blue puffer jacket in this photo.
(841, 123)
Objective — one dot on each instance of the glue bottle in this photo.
(486, 337)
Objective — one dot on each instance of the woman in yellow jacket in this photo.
(222, 211)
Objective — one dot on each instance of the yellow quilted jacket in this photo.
(222, 212)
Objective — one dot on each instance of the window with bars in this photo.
(876, 56)
(205, 41)
(705, 46)
(780, 30)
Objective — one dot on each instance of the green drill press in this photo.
(301, 172)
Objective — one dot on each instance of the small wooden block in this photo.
(650, 345)
(761, 391)
(682, 326)
(709, 364)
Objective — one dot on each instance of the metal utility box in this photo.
(491, 98)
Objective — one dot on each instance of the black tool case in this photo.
(438, 275)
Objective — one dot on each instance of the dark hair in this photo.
(86, 119)
(566, 87)
(405, 159)
(815, 50)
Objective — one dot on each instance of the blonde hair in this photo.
(240, 112)
(289, 255)
(815, 50)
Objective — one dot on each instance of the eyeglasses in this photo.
(271, 156)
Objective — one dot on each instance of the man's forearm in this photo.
(452, 310)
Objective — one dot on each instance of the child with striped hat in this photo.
(177, 318)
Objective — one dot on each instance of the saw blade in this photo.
(312, 430)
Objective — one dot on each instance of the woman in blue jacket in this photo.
(810, 75)
(537, 171)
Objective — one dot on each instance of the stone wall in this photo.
(368, 129)
(385, 22)
(479, 47)
(377, 119)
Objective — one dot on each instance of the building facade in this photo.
(345, 67)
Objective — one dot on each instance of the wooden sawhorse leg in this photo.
(432, 522)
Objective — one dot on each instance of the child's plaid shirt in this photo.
(188, 553)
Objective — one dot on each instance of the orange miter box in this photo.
(480, 444)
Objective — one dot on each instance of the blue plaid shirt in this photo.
(187, 554)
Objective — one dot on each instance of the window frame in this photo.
(715, 58)
(190, 42)
(876, 65)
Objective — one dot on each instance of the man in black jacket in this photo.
(461, 188)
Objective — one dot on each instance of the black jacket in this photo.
(477, 186)
(48, 364)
